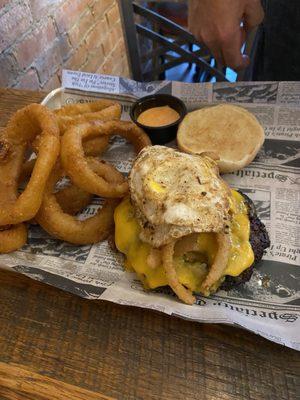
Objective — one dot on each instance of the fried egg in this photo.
(175, 194)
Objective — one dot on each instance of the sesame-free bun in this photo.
(228, 132)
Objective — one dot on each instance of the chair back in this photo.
(151, 53)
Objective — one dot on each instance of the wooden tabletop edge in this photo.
(18, 380)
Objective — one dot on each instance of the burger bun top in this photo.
(228, 133)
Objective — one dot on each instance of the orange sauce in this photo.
(158, 116)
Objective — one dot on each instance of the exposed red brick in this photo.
(35, 44)
(83, 34)
(78, 58)
(64, 46)
(125, 66)
(3, 3)
(49, 62)
(122, 68)
(113, 15)
(116, 54)
(95, 36)
(80, 29)
(13, 24)
(107, 45)
(107, 66)
(93, 62)
(29, 80)
(116, 33)
(118, 50)
(100, 7)
(69, 13)
(43, 8)
(9, 71)
(52, 83)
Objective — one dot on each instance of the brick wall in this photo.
(40, 37)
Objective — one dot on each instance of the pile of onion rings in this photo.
(38, 148)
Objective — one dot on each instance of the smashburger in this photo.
(184, 227)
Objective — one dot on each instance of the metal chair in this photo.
(152, 53)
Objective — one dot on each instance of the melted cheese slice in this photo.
(191, 274)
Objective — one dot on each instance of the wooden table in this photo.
(54, 345)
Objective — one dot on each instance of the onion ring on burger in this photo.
(218, 267)
(183, 294)
(186, 244)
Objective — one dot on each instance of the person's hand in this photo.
(217, 24)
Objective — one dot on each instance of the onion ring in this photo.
(100, 110)
(74, 114)
(26, 124)
(59, 224)
(26, 170)
(92, 148)
(105, 170)
(154, 258)
(75, 164)
(183, 294)
(220, 262)
(95, 147)
(73, 110)
(13, 238)
(72, 199)
(186, 244)
(65, 227)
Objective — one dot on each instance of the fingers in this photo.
(217, 25)
(226, 49)
(253, 15)
(231, 50)
(225, 45)
(216, 51)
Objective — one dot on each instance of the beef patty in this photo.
(259, 240)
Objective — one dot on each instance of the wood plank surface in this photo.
(130, 353)
(19, 383)
(54, 345)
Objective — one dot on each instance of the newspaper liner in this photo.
(269, 304)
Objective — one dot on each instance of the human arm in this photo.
(217, 24)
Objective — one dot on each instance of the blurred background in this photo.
(38, 38)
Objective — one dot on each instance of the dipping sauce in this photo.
(158, 116)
